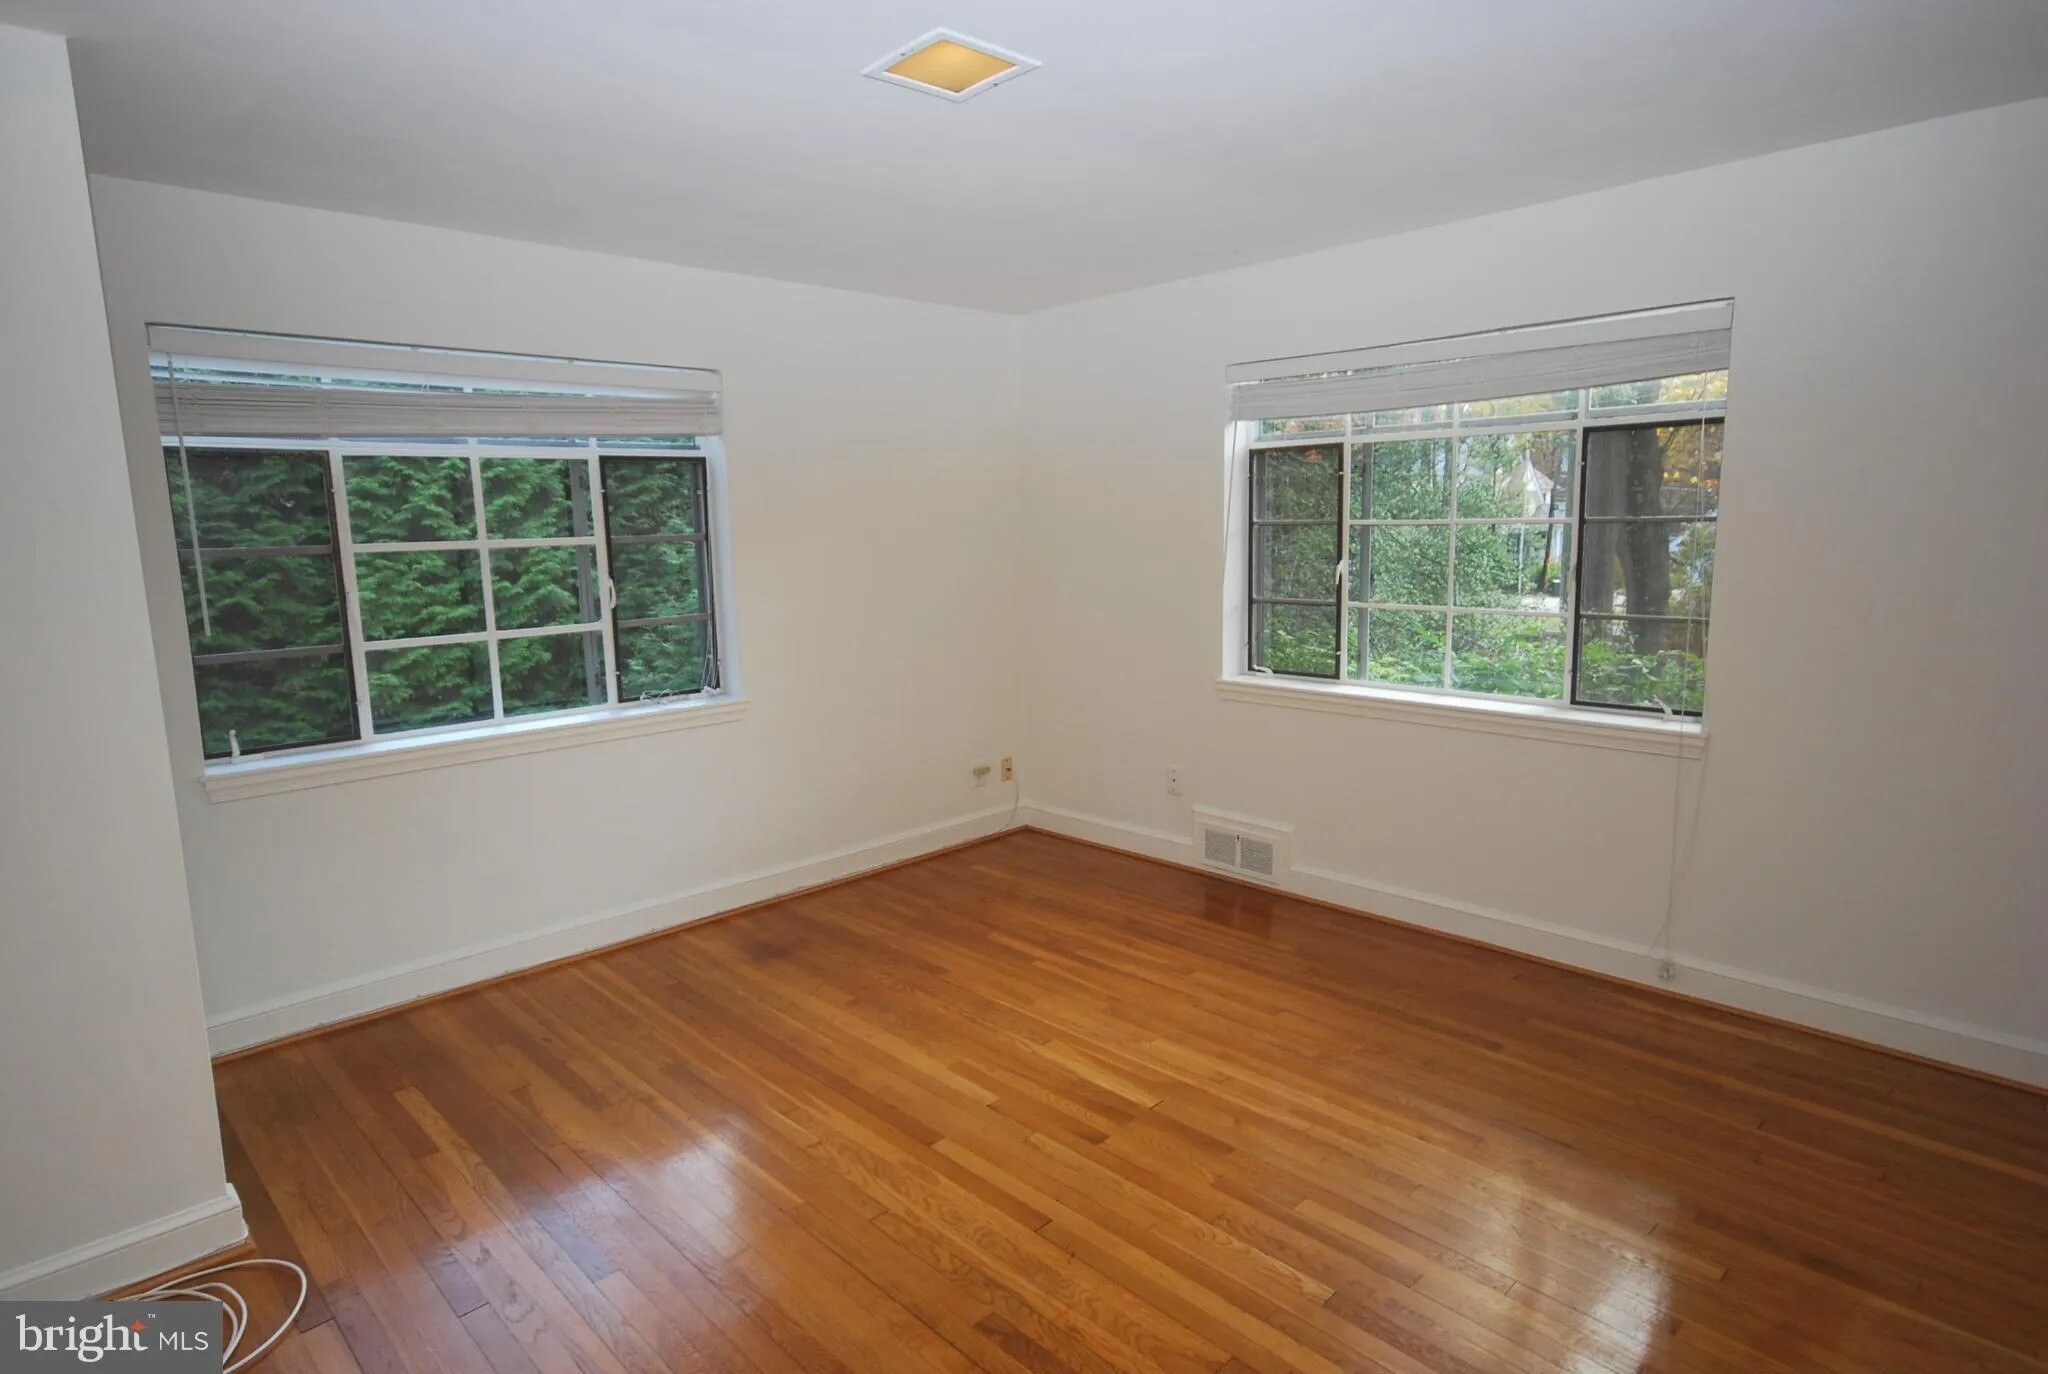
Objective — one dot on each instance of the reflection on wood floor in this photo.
(1034, 1107)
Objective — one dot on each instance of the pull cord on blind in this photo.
(228, 384)
(1638, 346)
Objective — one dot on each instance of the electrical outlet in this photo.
(1173, 782)
(1009, 770)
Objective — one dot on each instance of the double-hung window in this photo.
(380, 542)
(1528, 514)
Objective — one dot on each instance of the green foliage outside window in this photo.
(1301, 640)
(266, 546)
(660, 559)
(1471, 588)
(270, 582)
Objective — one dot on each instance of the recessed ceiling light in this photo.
(949, 65)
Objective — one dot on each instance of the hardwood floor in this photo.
(1034, 1107)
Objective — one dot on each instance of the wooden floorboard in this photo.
(1038, 1108)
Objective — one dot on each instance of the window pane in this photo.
(652, 495)
(1699, 386)
(1559, 403)
(1515, 655)
(289, 602)
(413, 595)
(1521, 566)
(250, 498)
(656, 580)
(656, 660)
(1643, 662)
(440, 684)
(1295, 561)
(1409, 564)
(1297, 483)
(1315, 424)
(394, 500)
(1654, 470)
(1648, 567)
(552, 673)
(1301, 640)
(275, 703)
(536, 498)
(531, 588)
(1507, 475)
(1402, 647)
(243, 501)
(1402, 481)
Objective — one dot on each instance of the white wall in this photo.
(1869, 853)
(873, 535)
(110, 1162)
(932, 559)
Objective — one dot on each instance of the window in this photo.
(1555, 545)
(263, 604)
(434, 588)
(661, 565)
(361, 588)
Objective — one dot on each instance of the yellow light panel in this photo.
(950, 66)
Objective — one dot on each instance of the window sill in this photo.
(261, 777)
(1530, 720)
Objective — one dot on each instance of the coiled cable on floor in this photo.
(233, 1303)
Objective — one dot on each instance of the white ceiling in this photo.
(1162, 138)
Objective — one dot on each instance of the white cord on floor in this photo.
(236, 1306)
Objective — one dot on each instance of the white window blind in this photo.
(1639, 346)
(225, 384)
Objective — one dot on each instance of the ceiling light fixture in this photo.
(949, 65)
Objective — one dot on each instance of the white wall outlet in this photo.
(1173, 782)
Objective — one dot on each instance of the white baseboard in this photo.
(1932, 1037)
(87, 1271)
(339, 1001)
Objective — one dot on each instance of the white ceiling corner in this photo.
(1160, 139)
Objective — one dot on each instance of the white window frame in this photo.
(347, 547)
(1498, 713)
(376, 754)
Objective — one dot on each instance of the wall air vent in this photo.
(1252, 849)
(1255, 855)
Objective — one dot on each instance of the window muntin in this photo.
(1555, 548)
(452, 584)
